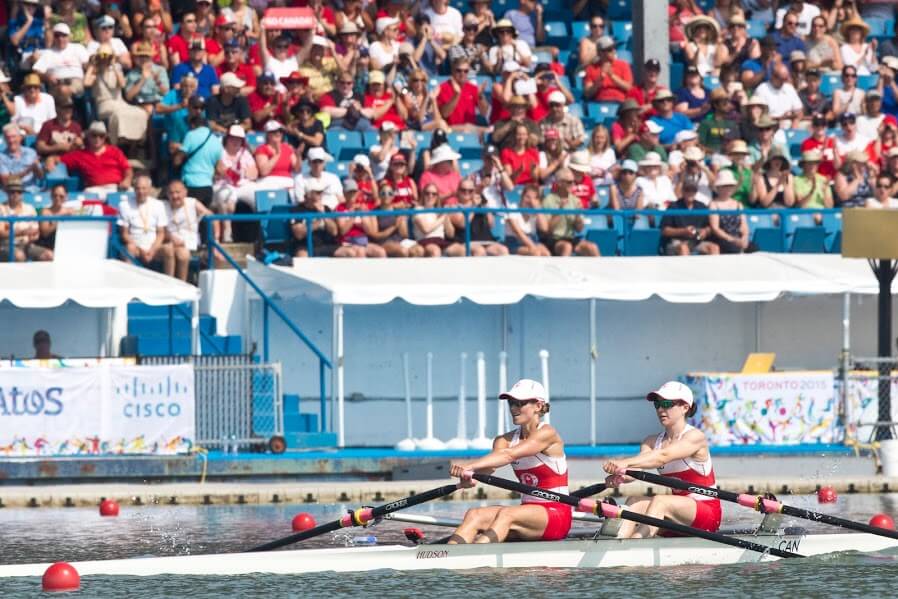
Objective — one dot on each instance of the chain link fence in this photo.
(238, 401)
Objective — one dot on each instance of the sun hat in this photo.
(674, 390)
(738, 146)
(348, 28)
(694, 154)
(556, 97)
(142, 49)
(629, 165)
(725, 178)
(685, 135)
(229, 79)
(505, 24)
(663, 94)
(652, 127)
(272, 126)
(62, 28)
(97, 128)
(629, 104)
(651, 159)
(526, 389)
(811, 156)
(580, 162)
(854, 21)
(606, 42)
(236, 131)
(376, 77)
(701, 21)
(383, 23)
(443, 153)
(319, 153)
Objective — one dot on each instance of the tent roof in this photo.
(102, 284)
(692, 279)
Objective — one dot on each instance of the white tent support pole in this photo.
(338, 366)
(429, 395)
(408, 396)
(503, 386)
(195, 328)
(544, 363)
(593, 358)
(845, 364)
(462, 430)
(481, 396)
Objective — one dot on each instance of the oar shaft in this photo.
(761, 504)
(590, 490)
(613, 511)
(359, 517)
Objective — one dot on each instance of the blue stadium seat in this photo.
(466, 144)
(513, 197)
(711, 81)
(579, 30)
(830, 83)
(757, 29)
(765, 232)
(82, 196)
(803, 235)
(114, 199)
(276, 232)
(603, 193)
(677, 69)
(606, 237)
(625, 55)
(266, 200)
(619, 10)
(542, 57)
(347, 153)
(38, 200)
(868, 82)
(879, 26)
(466, 167)
(423, 138)
(338, 138)
(254, 139)
(832, 224)
(498, 228)
(556, 34)
(643, 242)
(622, 31)
(370, 138)
(794, 138)
(600, 112)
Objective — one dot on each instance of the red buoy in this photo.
(109, 507)
(61, 577)
(303, 521)
(882, 521)
(826, 495)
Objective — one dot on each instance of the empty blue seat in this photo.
(757, 29)
(38, 200)
(579, 30)
(338, 137)
(803, 235)
(879, 26)
(601, 112)
(266, 200)
(114, 199)
(711, 81)
(625, 54)
(868, 82)
(622, 31)
(830, 83)
(466, 167)
(643, 242)
(83, 196)
(619, 10)
(370, 138)
(276, 231)
(606, 237)
(603, 193)
(556, 34)
(466, 144)
(832, 224)
(677, 69)
(254, 139)
(765, 233)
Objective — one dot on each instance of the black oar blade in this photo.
(609, 510)
(359, 517)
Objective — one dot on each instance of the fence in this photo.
(238, 401)
(871, 398)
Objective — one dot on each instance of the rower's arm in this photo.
(692, 443)
(503, 454)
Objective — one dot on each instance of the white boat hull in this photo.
(601, 553)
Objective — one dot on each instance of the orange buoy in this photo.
(826, 495)
(882, 521)
(303, 521)
(61, 577)
(109, 507)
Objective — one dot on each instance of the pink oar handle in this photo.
(599, 508)
(467, 475)
(761, 504)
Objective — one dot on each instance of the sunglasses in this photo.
(850, 75)
(466, 189)
(470, 27)
(665, 404)
(596, 25)
(431, 193)
(520, 403)
(462, 70)
(346, 83)
(792, 23)
(567, 181)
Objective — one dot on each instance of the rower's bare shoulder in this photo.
(695, 435)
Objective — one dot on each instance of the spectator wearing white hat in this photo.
(276, 159)
(104, 30)
(728, 231)
(385, 51)
(648, 141)
(331, 188)
(508, 48)
(569, 126)
(182, 228)
(694, 173)
(235, 177)
(609, 78)
(442, 171)
(657, 188)
(583, 187)
(682, 141)
(229, 106)
(61, 66)
(324, 232)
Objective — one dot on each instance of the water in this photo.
(36, 535)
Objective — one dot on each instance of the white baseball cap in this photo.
(318, 153)
(362, 160)
(229, 79)
(672, 390)
(382, 23)
(556, 97)
(526, 389)
(62, 28)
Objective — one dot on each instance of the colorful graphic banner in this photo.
(772, 409)
(97, 411)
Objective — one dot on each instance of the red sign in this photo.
(289, 18)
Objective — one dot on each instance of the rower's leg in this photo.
(476, 520)
(678, 508)
(635, 504)
(525, 522)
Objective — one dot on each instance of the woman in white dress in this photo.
(850, 98)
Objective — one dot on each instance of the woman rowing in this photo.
(680, 451)
(535, 452)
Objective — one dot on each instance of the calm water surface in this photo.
(35, 535)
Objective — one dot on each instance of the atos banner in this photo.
(96, 411)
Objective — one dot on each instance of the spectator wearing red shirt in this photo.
(276, 159)
(824, 144)
(179, 44)
(625, 130)
(644, 93)
(103, 167)
(547, 82)
(234, 63)
(460, 100)
(443, 173)
(405, 192)
(355, 230)
(609, 79)
(225, 32)
(521, 160)
(62, 134)
(583, 186)
(383, 102)
(265, 103)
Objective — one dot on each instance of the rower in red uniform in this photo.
(535, 452)
(680, 451)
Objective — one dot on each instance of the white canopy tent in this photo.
(109, 284)
(502, 281)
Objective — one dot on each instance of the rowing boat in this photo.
(571, 553)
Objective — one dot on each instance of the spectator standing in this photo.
(57, 207)
(142, 224)
(459, 100)
(127, 123)
(609, 79)
(685, 234)
(276, 159)
(61, 66)
(19, 162)
(205, 75)
(728, 231)
(559, 232)
(528, 20)
(198, 156)
(102, 166)
(229, 106)
(26, 233)
(671, 122)
(182, 229)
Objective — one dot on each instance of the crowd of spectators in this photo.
(194, 107)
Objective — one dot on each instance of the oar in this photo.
(760, 504)
(590, 490)
(360, 517)
(612, 511)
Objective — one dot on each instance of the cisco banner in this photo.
(96, 411)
